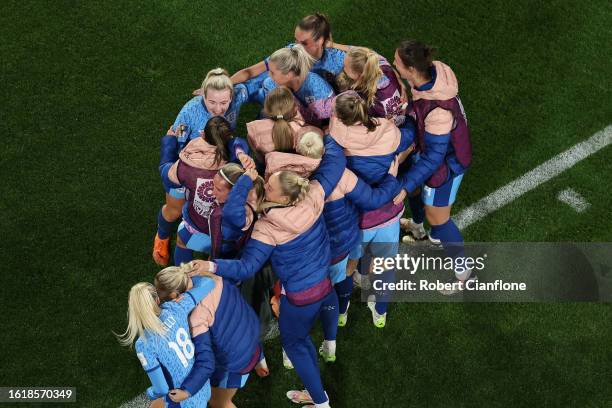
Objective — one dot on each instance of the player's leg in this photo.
(329, 319)
(438, 205)
(224, 385)
(182, 254)
(295, 323)
(384, 244)
(167, 221)
(414, 225)
(188, 240)
(344, 288)
(352, 266)
(222, 397)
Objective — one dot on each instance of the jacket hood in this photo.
(303, 166)
(357, 141)
(445, 87)
(201, 155)
(283, 224)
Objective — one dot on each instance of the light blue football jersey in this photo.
(195, 116)
(173, 352)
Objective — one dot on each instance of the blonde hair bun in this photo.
(310, 145)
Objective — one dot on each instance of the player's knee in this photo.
(219, 399)
(172, 211)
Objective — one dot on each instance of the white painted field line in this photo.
(573, 198)
(534, 178)
(140, 401)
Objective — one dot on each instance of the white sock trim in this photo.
(329, 346)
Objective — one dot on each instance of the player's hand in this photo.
(400, 197)
(178, 395)
(252, 174)
(176, 132)
(394, 166)
(247, 161)
(158, 403)
(404, 155)
(201, 268)
(411, 148)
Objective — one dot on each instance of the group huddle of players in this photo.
(339, 147)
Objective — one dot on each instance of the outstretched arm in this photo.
(341, 47)
(433, 156)
(368, 198)
(234, 211)
(249, 72)
(169, 158)
(332, 166)
(438, 125)
(169, 146)
(254, 256)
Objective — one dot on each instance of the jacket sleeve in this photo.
(407, 134)
(254, 256)
(234, 211)
(368, 198)
(169, 150)
(166, 177)
(435, 151)
(203, 364)
(159, 387)
(332, 166)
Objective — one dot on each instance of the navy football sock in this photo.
(344, 289)
(165, 228)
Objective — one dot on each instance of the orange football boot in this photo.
(161, 251)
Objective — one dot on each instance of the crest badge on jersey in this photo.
(204, 197)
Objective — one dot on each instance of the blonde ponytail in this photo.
(217, 79)
(143, 313)
(365, 62)
(294, 59)
(281, 108)
(352, 110)
(172, 279)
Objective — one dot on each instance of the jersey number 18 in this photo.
(184, 349)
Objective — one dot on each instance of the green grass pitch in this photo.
(90, 87)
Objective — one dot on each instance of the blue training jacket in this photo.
(294, 238)
(225, 334)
